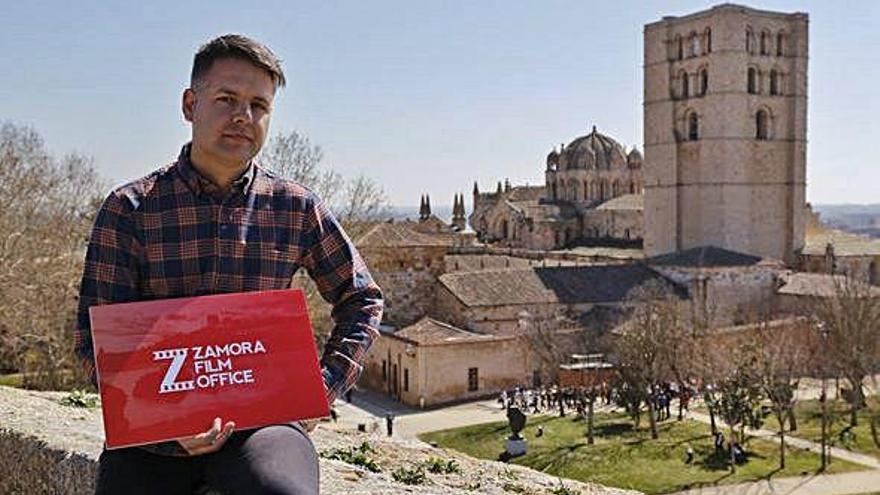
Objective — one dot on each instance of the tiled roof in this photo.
(706, 256)
(566, 285)
(429, 331)
(396, 234)
(845, 244)
(818, 285)
(625, 202)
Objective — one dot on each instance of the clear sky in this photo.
(424, 96)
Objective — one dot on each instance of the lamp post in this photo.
(823, 398)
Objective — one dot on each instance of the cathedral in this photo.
(592, 196)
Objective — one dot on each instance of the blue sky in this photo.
(426, 96)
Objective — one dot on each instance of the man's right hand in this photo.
(209, 441)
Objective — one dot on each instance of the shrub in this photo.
(410, 476)
(358, 456)
(437, 465)
(81, 398)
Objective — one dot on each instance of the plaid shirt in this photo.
(175, 234)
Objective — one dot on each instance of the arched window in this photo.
(561, 190)
(780, 42)
(504, 229)
(586, 191)
(680, 47)
(774, 82)
(761, 124)
(704, 81)
(750, 40)
(765, 43)
(708, 44)
(693, 127)
(685, 84)
(694, 47)
(753, 81)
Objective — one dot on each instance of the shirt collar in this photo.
(200, 184)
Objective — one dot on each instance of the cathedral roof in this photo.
(625, 202)
(541, 285)
(595, 150)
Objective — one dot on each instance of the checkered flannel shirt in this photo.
(174, 233)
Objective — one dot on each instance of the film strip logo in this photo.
(169, 383)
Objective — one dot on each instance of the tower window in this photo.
(685, 85)
(774, 82)
(693, 127)
(753, 81)
(704, 81)
(695, 45)
(750, 40)
(765, 42)
(708, 40)
(761, 119)
(780, 41)
(680, 47)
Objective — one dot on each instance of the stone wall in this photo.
(53, 449)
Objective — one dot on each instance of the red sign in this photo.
(167, 368)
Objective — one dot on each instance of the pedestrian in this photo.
(389, 423)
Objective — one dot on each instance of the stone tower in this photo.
(725, 119)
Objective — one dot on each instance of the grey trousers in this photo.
(277, 459)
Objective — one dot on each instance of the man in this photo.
(212, 222)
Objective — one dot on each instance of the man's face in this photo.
(229, 109)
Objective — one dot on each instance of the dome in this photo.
(595, 150)
(634, 158)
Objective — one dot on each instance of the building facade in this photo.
(725, 122)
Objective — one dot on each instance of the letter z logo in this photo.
(177, 357)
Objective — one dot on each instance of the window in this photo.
(761, 119)
(680, 47)
(765, 43)
(406, 379)
(685, 85)
(473, 380)
(752, 81)
(750, 40)
(774, 82)
(384, 371)
(695, 45)
(708, 43)
(780, 41)
(704, 82)
(693, 127)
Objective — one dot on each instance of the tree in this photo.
(48, 209)
(739, 393)
(355, 201)
(782, 359)
(849, 320)
(643, 347)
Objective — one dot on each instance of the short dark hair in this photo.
(242, 48)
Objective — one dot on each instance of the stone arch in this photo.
(694, 48)
(750, 40)
(763, 124)
(704, 81)
(693, 125)
(684, 84)
(752, 81)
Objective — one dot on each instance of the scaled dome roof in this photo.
(595, 150)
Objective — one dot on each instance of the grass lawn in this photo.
(627, 458)
(11, 380)
(809, 422)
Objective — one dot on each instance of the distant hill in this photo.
(862, 219)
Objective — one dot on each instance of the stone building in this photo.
(591, 195)
(431, 362)
(725, 122)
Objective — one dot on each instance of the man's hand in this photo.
(209, 441)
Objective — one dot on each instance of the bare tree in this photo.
(356, 201)
(849, 320)
(643, 348)
(48, 208)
